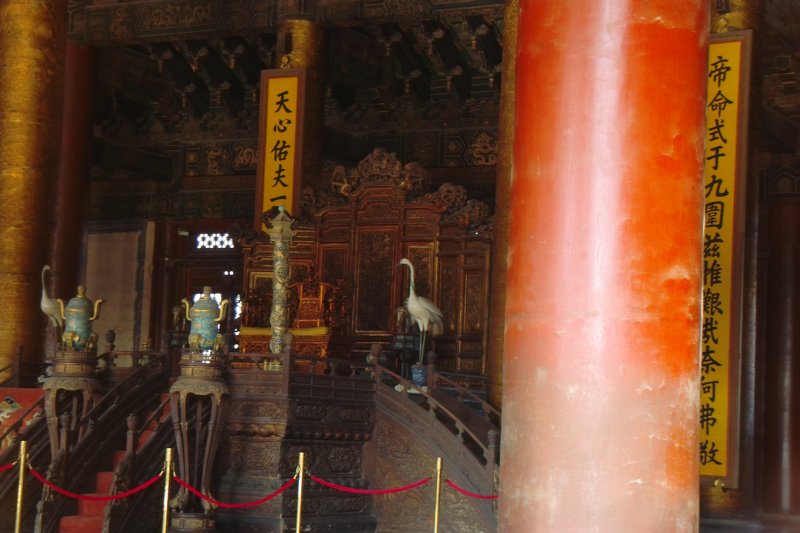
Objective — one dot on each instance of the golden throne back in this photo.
(310, 306)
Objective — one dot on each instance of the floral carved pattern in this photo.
(315, 413)
(375, 269)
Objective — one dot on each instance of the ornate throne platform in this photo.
(343, 261)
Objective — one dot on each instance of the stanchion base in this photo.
(194, 522)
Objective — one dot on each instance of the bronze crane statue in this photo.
(49, 305)
(423, 311)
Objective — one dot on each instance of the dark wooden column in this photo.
(505, 142)
(781, 442)
(164, 288)
(72, 215)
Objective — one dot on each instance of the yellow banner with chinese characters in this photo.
(280, 139)
(719, 358)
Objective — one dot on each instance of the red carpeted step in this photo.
(80, 524)
(156, 421)
(145, 436)
(103, 483)
(116, 458)
(87, 508)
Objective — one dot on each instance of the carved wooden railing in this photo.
(265, 369)
(479, 405)
(340, 379)
(445, 423)
(308, 376)
(142, 461)
(322, 406)
(104, 430)
(32, 428)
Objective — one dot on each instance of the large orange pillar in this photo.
(600, 392)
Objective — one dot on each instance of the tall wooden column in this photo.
(32, 44)
(69, 257)
(601, 388)
(780, 470)
(505, 142)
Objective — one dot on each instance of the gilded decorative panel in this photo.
(470, 148)
(375, 256)
(221, 158)
(419, 232)
(248, 453)
(334, 234)
(470, 366)
(471, 349)
(422, 258)
(423, 147)
(377, 211)
(448, 299)
(474, 310)
(160, 19)
(257, 409)
(333, 264)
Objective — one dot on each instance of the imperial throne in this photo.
(311, 304)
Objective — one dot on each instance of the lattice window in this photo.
(215, 295)
(237, 302)
(214, 241)
(237, 308)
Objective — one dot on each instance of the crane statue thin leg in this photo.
(421, 346)
(423, 311)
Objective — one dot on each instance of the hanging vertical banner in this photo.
(723, 253)
(280, 140)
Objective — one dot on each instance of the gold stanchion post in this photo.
(23, 453)
(300, 468)
(167, 480)
(438, 494)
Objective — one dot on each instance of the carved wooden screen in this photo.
(464, 262)
(355, 240)
(361, 243)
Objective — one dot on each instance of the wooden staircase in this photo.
(91, 514)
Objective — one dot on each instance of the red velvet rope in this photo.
(468, 493)
(365, 491)
(200, 495)
(90, 497)
(6, 467)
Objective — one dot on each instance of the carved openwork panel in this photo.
(249, 453)
(424, 259)
(463, 291)
(474, 300)
(448, 293)
(374, 307)
(354, 240)
(401, 460)
(377, 211)
(334, 263)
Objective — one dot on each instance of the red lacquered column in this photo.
(600, 392)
